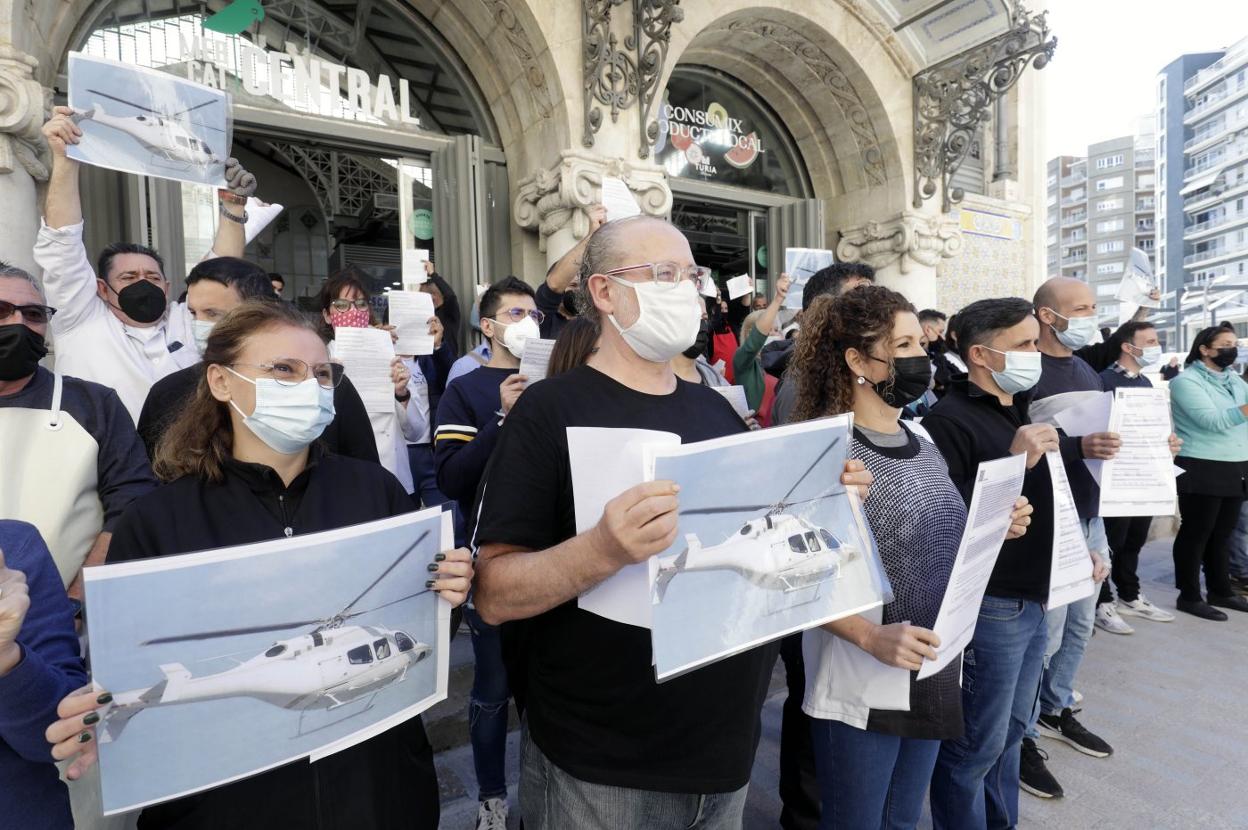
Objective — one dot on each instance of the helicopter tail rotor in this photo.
(669, 570)
(124, 709)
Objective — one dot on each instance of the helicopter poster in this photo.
(146, 122)
(226, 663)
(754, 562)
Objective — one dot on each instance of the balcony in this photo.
(1143, 205)
(1214, 101)
(1222, 220)
(1074, 180)
(1230, 60)
(1212, 132)
(1076, 218)
(1075, 199)
(1210, 255)
(1145, 159)
(1075, 259)
(1144, 227)
(1217, 158)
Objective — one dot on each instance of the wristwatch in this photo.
(407, 396)
(225, 214)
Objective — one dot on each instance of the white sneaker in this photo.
(1141, 607)
(492, 814)
(1076, 696)
(1107, 619)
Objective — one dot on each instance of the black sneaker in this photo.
(1033, 775)
(1065, 728)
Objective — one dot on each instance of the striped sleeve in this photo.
(454, 432)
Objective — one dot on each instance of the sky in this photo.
(1119, 46)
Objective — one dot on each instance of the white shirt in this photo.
(89, 341)
(415, 420)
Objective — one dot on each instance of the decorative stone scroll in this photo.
(909, 238)
(24, 105)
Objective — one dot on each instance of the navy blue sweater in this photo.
(468, 424)
(1115, 377)
(1073, 374)
(121, 462)
(32, 796)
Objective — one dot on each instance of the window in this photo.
(1106, 289)
(812, 541)
(382, 647)
(403, 641)
(1146, 182)
(796, 544)
(1109, 268)
(1106, 162)
(1109, 226)
(1108, 204)
(1113, 246)
(1111, 183)
(276, 651)
(360, 655)
(1147, 244)
(829, 539)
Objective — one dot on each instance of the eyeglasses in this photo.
(668, 274)
(31, 313)
(515, 315)
(290, 371)
(347, 305)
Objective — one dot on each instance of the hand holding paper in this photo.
(739, 286)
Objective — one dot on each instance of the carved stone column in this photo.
(904, 251)
(553, 202)
(24, 156)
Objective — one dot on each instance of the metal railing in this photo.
(1075, 259)
(1215, 68)
(1074, 219)
(1213, 101)
(1217, 221)
(1230, 153)
(1214, 253)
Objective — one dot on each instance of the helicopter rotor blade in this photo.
(228, 632)
(208, 126)
(124, 101)
(386, 604)
(384, 573)
(822, 455)
(746, 508)
(192, 109)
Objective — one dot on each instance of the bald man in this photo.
(1066, 309)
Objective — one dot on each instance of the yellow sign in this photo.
(990, 224)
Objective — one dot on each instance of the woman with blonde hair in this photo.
(242, 464)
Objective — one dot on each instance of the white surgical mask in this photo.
(1149, 356)
(200, 329)
(668, 318)
(1021, 372)
(1080, 331)
(515, 335)
(288, 418)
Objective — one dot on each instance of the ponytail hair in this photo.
(201, 437)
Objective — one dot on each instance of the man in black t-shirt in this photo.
(605, 746)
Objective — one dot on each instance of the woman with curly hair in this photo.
(864, 352)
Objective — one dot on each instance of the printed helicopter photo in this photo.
(263, 654)
(139, 120)
(794, 554)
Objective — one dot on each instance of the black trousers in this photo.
(1204, 540)
(1126, 535)
(799, 788)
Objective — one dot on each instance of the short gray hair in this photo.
(602, 254)
(12, 272)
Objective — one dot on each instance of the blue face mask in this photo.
(288, 418)
(1080, 331)
(1021, 372)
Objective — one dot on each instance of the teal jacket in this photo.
(1207, 416)
(747, 371)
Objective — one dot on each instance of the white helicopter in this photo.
(330, 666)
(164, 135)
(777, 551)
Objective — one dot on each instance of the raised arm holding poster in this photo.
(801, 264)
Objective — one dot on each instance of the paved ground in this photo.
(1169, 698)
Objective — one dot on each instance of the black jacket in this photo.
(970, 426)
(385, 782)
(349, 434)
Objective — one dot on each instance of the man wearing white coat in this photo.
(116, 326)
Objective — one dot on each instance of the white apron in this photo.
(48, 477)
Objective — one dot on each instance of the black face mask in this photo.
(699, 343)
(568, 304)
(936, 346)
(1226, 357)
(21, 349)
(912, 375)
(142, 301)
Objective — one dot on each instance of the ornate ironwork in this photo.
(652, 25)
(610, 74)
(953, 98)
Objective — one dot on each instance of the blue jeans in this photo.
(487, 708)
(1239, 545)
(551, 799)
(427, 494)
(870, 780)
(975, 783)
(1070, 627)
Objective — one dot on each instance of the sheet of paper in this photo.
(605, 463)
(801, 264)
(1087, 415)
(1045, 410)
(366, 355)
(998, 485)
(1139, 481)
(708, 288)
(618, 199)
(536, 360)
(1070, 574)
(1135, 289)
(259, 216)
(735, 395)
(409, 313)
(739, 286)
(414, 275)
